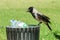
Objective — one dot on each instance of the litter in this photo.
(15, 23)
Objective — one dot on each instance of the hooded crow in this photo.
(39, 17)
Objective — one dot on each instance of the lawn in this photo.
(16, 9)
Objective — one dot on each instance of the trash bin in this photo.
(17, 33)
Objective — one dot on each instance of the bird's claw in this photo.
(39, 23)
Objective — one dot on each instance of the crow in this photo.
(41, 18)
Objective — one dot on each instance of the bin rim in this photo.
(29, 26)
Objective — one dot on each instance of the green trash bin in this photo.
(17, 33)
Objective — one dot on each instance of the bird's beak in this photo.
(27, 10)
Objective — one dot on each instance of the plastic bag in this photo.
(15, 23)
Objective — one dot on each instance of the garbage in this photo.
(15, 23)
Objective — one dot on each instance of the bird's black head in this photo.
(30, 9)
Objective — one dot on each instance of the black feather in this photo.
(49, 26)
(44, 18)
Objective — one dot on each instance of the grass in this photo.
(16, 9)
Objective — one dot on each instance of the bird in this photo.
(41, 18)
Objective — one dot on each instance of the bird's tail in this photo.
(49, 27)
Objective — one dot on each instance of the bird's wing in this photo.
(46, 17)
(43, 17)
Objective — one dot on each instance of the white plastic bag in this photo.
(15, 23)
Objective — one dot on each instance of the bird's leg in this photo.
(39, 23)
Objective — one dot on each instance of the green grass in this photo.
(16, 9)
